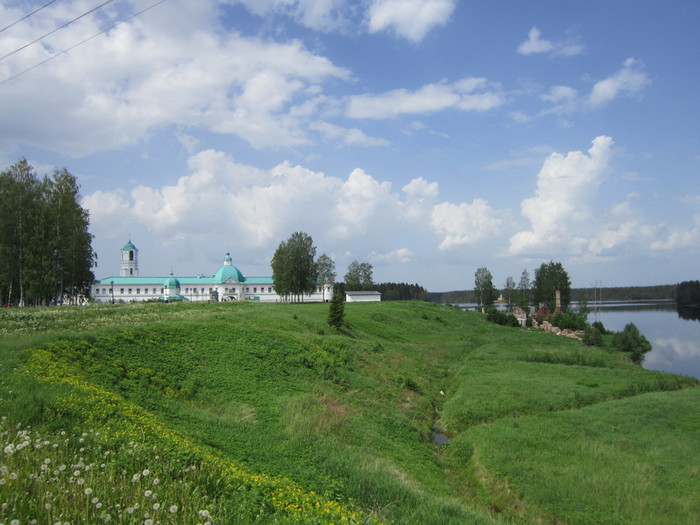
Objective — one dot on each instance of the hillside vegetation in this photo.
(248, 412)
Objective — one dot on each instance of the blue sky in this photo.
(427, 137)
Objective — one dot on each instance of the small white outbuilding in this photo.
(362, 297)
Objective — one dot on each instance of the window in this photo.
(131, 255)
(255, 290)
(130, 290)
(247, 289)
(121, 291)
(269, 289)
(138, 291)
(131, 271)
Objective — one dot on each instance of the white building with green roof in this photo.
(227, 284)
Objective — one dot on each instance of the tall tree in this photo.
(325, 267)
(524, 290)
(293, 268)
(358, 276)
(549, 278)
(509, 291)
(483, 287)
(40, 258)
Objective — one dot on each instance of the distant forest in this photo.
(618, 293)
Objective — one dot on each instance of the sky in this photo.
(426, 137)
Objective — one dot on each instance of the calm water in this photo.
(675, 341)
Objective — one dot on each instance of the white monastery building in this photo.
(227, 284)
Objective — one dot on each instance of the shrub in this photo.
(600, 327)
(494, 316)
(569, 320)
(592, 337)
(630, 340)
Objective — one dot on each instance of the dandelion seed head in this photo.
(173, 509)
(148, 493)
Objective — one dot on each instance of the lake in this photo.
(675, 341)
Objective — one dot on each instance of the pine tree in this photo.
(336, 311)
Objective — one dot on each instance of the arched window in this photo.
(131, 255)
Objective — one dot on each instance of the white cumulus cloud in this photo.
(629, 81)
(468, 94)
(410, 19)
(464, 223)
(566, 185)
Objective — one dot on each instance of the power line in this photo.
(27, 16)
(81, 42)
(57, 29)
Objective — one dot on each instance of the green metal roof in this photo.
(129, 246)
(171, 282)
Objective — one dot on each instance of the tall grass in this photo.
(286, 420)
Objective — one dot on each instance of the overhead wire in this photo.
(134, 15)
(27, 15)
(57, 29)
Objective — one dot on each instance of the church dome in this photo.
(228, 271)
(129, 246)
(172, 283)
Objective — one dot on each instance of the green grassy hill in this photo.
(246, 412)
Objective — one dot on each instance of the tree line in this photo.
(610, 293)
(46, 250)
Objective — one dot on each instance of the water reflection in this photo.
(675, 337)
(690, 314)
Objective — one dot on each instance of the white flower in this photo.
(88, 492)
(146, 472)
(173, 509)
(156, 506)
(135, 477)
(156, 481)
(148, 493)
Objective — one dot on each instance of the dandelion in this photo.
(148, 522)
(95, 499)
(148, 493)
(135, 477)
(156, 506)
(173, 509)
(13, 475)
(146, 472)
(76, 473)
(88, 491)
(80, 481)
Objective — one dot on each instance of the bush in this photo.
(592, 337)
(494, 316)
(630, 340)
(569, 320)
(600, 327)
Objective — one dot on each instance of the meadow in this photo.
(248, 412)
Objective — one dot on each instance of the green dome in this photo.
(171, 283)
(129, 246)
(228, 271)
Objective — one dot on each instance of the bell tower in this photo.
(130, 261)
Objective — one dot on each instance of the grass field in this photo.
(245, 412)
